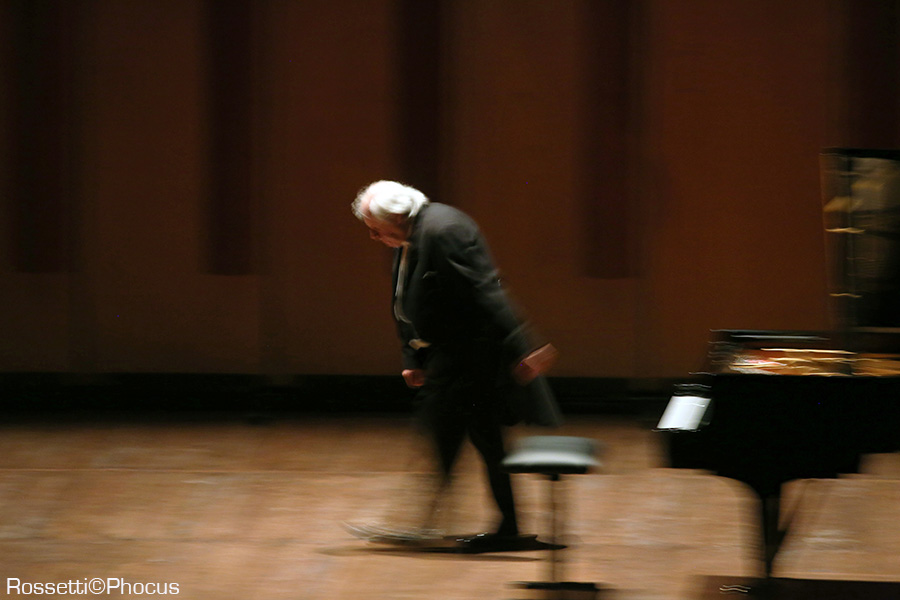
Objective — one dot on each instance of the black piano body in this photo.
(787, 405)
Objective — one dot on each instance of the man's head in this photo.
(386, 208)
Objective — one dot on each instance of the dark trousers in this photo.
(458, 404)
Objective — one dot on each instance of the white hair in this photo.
(389, 199)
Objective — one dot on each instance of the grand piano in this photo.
(769, 407)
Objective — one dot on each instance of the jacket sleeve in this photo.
(469, 266)
(412, 358)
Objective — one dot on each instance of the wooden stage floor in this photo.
(229, 509)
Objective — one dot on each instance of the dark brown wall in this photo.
(176, 175)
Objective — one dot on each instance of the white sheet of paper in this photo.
(683, 413)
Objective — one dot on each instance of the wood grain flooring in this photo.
(231, 509)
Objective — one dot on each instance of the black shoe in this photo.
(495, 542)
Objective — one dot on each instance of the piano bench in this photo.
(553, 457)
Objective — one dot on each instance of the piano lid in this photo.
(819, 353)
(861, 216)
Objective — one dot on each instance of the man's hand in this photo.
(415, 378)
(535, 364)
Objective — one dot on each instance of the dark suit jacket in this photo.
(453, 300)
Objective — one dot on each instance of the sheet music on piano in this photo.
(687, 409)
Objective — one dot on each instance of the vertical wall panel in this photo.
(420, 56)
(39, 158)
(147, 180)
(529, 131)
(738, 97)
(43, 116)
(331, 127)
(609, 227)
(230, 34)
(871, 72)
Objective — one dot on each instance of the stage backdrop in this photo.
(176, 175)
